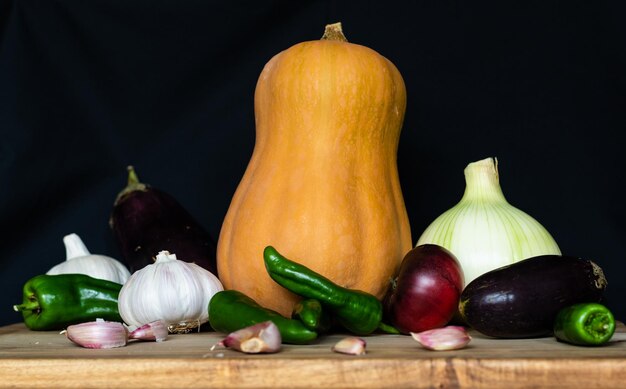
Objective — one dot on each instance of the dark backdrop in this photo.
(87, 88)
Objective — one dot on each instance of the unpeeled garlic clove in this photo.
(155, 330)
(259, 338)
(351, 345)
(446, 338)
(98, 334)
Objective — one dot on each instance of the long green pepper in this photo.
(231, 310)
(52, 302)
(312, 315)
(584, 324)
(357, 311)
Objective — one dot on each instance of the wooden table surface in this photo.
(32, 359)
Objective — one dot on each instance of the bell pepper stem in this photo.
(30, 306)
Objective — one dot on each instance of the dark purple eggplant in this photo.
(146, 220)
(522, 300)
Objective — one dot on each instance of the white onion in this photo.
(483, 230)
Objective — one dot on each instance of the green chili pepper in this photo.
(231, 310)
(586, 324)
(52, 302)
(312, 315)
(357, 311)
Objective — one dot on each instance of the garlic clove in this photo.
(441, 339)
(258, 338)
(351, 345)
(98, 334)
(155, 330)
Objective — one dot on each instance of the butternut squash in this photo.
(322, 184)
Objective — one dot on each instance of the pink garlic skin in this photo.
(259, 338)
(155, 331)
(351, 345)
(442, 339)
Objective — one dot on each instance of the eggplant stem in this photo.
(132, 176)
(132, 185)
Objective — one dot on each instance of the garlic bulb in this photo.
(483, 230)
(175, 292)
(80, 260)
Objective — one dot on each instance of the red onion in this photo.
(425, 295)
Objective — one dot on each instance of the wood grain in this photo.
(30, 359)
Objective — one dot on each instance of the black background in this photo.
(87, 88)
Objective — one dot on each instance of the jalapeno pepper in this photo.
(357, 311)
(52, 302)
(312, 315)
(231, 310)
(585, 324)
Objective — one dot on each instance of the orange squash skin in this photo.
(322, 184)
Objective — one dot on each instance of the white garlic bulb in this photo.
(175, 292)
(80, 260)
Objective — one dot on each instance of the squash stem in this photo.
(334, 32)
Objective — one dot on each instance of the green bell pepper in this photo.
(357, 311)
(52, 302)
(231, 310)
(585, 324)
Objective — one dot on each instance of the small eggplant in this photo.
(146, 220)
(522, 300)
